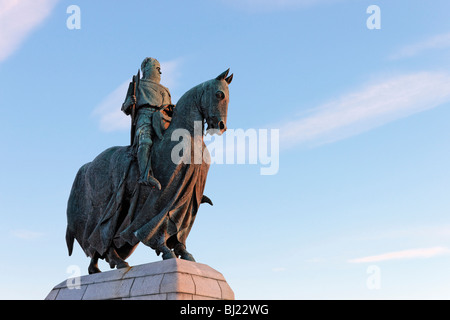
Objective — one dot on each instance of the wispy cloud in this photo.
(26, 234)
(279, 269)
(18, 18)
(439, 41)
(405, 254)
(367, 108)
(111, 118)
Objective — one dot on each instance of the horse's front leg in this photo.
(93, 266)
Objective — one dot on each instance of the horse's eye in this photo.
(220, 95)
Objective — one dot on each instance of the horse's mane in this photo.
(194, 92)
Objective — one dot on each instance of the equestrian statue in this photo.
(149, 191)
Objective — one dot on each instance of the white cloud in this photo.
(111, 118)
(405, 254)
(18, 18)
(435, 42)
(170, 73)
(369, 107)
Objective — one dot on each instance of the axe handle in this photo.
(136, 80)
(133, 114)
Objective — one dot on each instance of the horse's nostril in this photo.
(222, 125)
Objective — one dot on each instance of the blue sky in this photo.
(362, 115)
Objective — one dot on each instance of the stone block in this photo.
(227, 293)
(146, 285)
(71, 293)
(108, 290)
(207, 287)
(173, 279)
(176, 282)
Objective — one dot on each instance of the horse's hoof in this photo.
(122, 264)
(180, 250)
(166, 253)
(118, 265)
(187, 256)
(94, 270)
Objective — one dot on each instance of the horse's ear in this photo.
(223, 75)
(229, 79)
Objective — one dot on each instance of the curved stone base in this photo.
(173, 279)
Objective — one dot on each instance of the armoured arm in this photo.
(126, 106)
(130, 100)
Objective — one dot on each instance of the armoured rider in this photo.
(150, 97)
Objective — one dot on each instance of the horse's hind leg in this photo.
(114, 260)
(180, 251)
(93, 266)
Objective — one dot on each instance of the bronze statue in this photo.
(109, 211)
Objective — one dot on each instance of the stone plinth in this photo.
(173, 279)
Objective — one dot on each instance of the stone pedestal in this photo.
(173, 279)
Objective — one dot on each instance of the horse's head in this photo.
(214, 103)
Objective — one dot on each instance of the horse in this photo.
(109, 213)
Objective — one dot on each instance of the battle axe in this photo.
(132, 90)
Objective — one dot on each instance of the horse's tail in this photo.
(69, 240)
(73, 208)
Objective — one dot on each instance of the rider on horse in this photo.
(150, 97)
